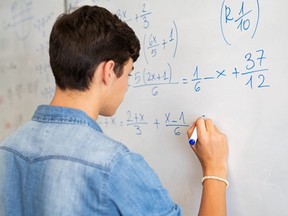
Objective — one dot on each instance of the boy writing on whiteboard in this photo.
(61, 163)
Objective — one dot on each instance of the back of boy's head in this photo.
(80, 41)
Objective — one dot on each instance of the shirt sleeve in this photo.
(135, 189)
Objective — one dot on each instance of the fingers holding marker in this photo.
(190, 130)
(200, 124)
(210, 126)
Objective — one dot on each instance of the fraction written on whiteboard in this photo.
(138, 122)
(239, 18)
(252, 74)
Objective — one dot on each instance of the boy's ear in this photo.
(108, 72)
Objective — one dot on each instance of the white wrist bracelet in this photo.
(216, 178)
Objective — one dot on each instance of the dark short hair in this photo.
(80, 41)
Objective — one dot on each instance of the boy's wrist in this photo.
(222, 172)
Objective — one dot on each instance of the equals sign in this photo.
(185, 81)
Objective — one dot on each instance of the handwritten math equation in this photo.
(138, 122)
(23, 20)
(154, 44)
(159, 50)
(140, 16)
(239, 17)
(253, 71)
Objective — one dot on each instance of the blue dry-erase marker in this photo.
(193, 137)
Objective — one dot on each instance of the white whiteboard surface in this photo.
(25, 75)
(225, 59)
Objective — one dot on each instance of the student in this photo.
(60, 162)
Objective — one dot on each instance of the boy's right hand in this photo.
(211, 148)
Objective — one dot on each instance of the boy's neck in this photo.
(81, 100)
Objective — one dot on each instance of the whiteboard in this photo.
(25, 75)
(224, 59)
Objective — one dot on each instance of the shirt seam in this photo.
(56, 157)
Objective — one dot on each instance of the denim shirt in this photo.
(61, 163)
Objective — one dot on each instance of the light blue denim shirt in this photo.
(61, 163)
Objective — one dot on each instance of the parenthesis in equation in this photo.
(221, 21)
(170, 71)
(221, 24)
(258, 17)
(144, 45)
(176, 32)
(176, 45)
